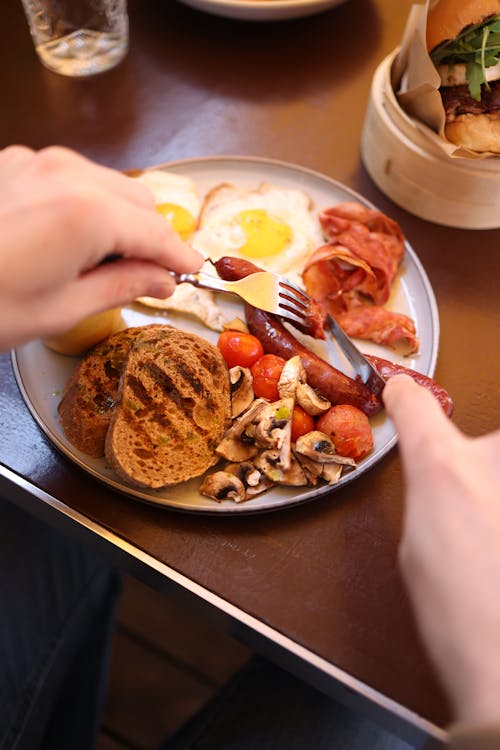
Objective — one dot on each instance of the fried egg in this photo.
(176, 198)
(270, 226)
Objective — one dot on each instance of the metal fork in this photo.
(276, 294)
(265, 290)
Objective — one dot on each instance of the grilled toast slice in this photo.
(92, 390)
(173, 408)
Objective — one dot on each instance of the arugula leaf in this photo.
(475, 78)
(477, 46)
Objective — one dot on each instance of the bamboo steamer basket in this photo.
(413, 170)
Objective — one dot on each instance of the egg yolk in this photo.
(264, 235)
(181, 220)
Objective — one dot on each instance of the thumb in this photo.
(417, 416)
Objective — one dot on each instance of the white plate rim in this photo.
(263, 10)
(280, 496)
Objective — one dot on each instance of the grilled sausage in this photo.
(232, 269)
(387, 369)
(326, 379)
(330, 382)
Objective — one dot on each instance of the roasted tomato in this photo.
(349, 429)
(266, 373)
(302, 423)
(239, 348)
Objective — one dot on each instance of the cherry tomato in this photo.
(239, 348)
(266, 373)
(302, 423)
(349, 429)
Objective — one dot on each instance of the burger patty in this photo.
(458, 101)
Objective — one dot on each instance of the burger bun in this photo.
(447, 18)
(475, 132)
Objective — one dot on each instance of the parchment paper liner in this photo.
(406, 160)
(416, 83)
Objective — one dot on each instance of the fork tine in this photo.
(289, 309)
(289, 306)
(290, 315)
(295, 290)
(293, 301)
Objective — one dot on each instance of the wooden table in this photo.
(314, 587)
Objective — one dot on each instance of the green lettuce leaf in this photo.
(478, 47)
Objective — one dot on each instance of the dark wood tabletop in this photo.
(323, 575)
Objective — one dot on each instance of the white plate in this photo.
(262, 10)
(41, 373)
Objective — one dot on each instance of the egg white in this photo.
(221, 233)
(177, 190)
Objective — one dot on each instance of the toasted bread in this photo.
(173, 408)
(91, 392)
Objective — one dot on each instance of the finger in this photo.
(125, 186)
(147, 236)
(106, 287)
(125, 280)
(104, 226)
(67, 164)
(12, 158)
(417, 416)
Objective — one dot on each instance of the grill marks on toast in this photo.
(174, 406)
(91, 393)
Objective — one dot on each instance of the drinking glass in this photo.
(78, 37)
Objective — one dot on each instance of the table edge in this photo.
(352, 691)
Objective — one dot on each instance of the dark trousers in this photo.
(265, 708)
(57, 605)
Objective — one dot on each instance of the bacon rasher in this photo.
(352, 275)
(381, 326)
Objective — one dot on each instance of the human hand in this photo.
(450, 551)
(61, 215)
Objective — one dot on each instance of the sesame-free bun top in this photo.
(447, 18)
(476, 132)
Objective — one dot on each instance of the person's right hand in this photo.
(450, 551)
(61, 215)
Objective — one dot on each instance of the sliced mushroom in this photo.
(269, 463)
(312, 469)
(273, 429)
(254, 480)
(332, 472)
(222, 485)
(235, 449)
(236, 324)
(310, 400)
(242, 395)
(292, 374)
(237, 444)
(319, 447)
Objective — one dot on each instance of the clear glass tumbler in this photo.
(78, 37)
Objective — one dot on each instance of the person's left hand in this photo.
(61, 215)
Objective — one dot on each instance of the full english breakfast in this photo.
(346, 256)
(260, 407)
